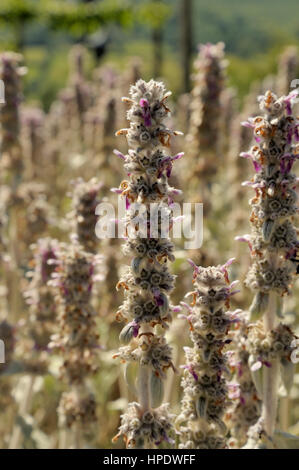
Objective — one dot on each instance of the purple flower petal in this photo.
(247, 124)
(245, 155)
(116, 190)
(179, 155)
(267, 364)
(119, 154)
(242, 400)
(136, 327)
(257, 166)
(192, 372)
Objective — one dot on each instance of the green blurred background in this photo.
(254, 33)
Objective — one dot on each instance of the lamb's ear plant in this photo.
(205, 380)
(42, 308)
(246, 404)
(147, 282)
(34, 336)
(76, 340)
(204, 137)
(11, 71)
(77, 337)
(12, 165)
(83, 216)
(273, 245)
(288, 69)
(32, 134)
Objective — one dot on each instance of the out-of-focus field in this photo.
(59, 125)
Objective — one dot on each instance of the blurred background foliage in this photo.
(254, 33)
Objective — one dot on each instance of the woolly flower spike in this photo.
(40, 298)
(205, 398)
(75, 408)
(147, 282)
(273, 245)
(246, 405)
(10, 72)
(85, 201)
(273, 240)
(31, 198)
(39, 293)
(287, 69)
(77, 338)
(33, 123)
(205, 125)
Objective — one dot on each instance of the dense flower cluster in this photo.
(273, 242)
(143, 429)
(274, 246)
(151, 350)
(77, 406)
(204, 383)
(77, 338)
(264, 347)
(85, 200)
(42, 307)
(246, 406)
(148, 281)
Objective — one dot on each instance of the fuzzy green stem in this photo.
(144, 396)
(284, 414)
(270, 375)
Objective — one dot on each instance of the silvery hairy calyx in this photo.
(147, 282)
(273, 245)
(205, 380)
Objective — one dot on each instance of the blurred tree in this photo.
(16, 14)
(155, 14)
(79, 19)
(98, 41)
(157, 38)
(186, 41)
